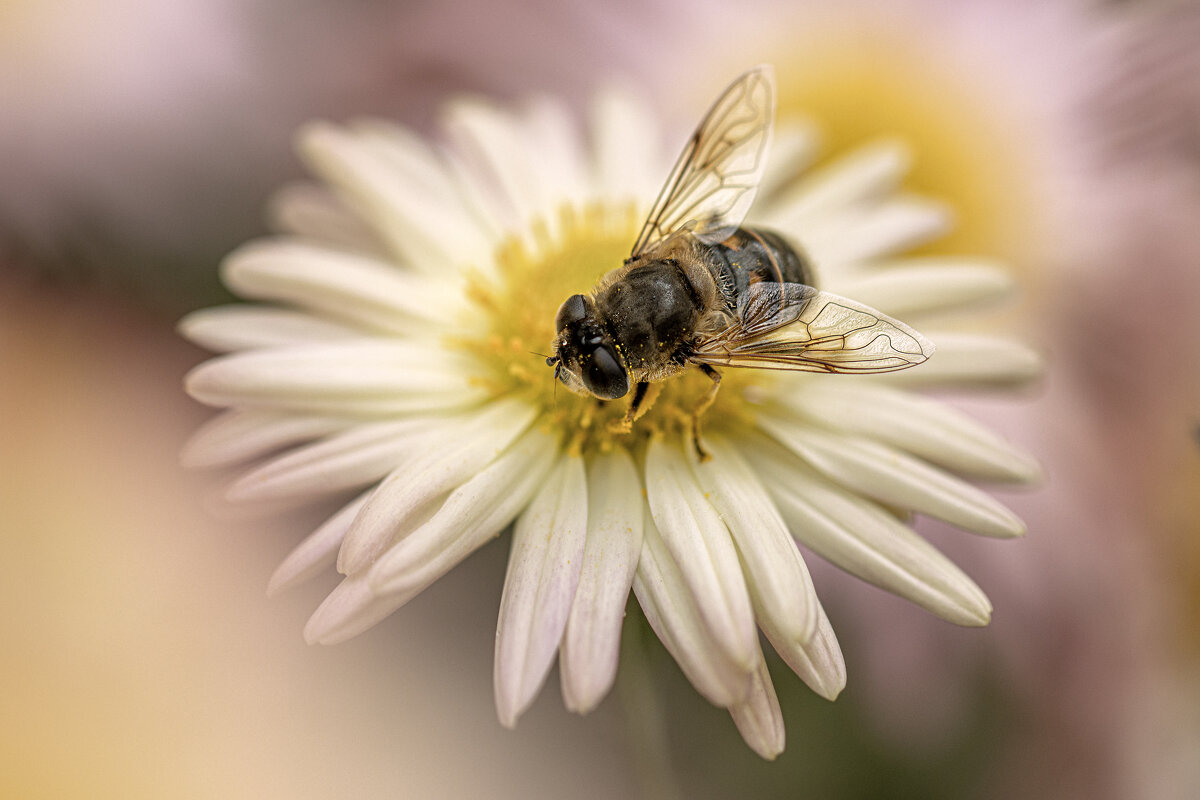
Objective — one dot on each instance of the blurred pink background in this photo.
(140, 142)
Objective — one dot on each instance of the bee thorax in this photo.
(654, 309)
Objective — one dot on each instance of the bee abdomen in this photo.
(752, 255)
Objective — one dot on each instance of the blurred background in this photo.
(140, 141)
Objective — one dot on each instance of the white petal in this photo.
(445, 456)
(793, 148)
(225, 329)
(926, 428)
(559, 164)
(419, 230)
(970, 360)
(408, 155)
(483, 203)
(700, 545)
(539, 587)
(471, 516)
(350, 609)
(242, 435)
(463, 234)
(312, 212)
(894, 478)
(778, 580)
(891, 227)
(863, 539)
(905, 289)
(474, 513)
(625, 134)
(591, 646)
(349, 459)
(318, 551)
(758, 717)
(492, 142)
(357, 290)
(672, 613)
(362, 376)
(818, 661)
(867, 173)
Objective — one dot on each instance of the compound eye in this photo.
(573, 309)
(604, 376)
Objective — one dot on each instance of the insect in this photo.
(701, 291)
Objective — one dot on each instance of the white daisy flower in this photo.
(390, 359)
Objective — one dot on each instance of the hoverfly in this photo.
(700, 290)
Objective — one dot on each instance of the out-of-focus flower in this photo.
(1137, 288)
(982, 91)
(1065, 134)
(141, 136)
(1145, 104)
(389, 357)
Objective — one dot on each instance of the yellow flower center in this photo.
(974, 148)
(521, 304)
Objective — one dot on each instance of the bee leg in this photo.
(636, 409)
(705, 403)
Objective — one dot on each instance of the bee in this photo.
(701, 291)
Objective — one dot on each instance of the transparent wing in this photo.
(789, 326)
(712, 185)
